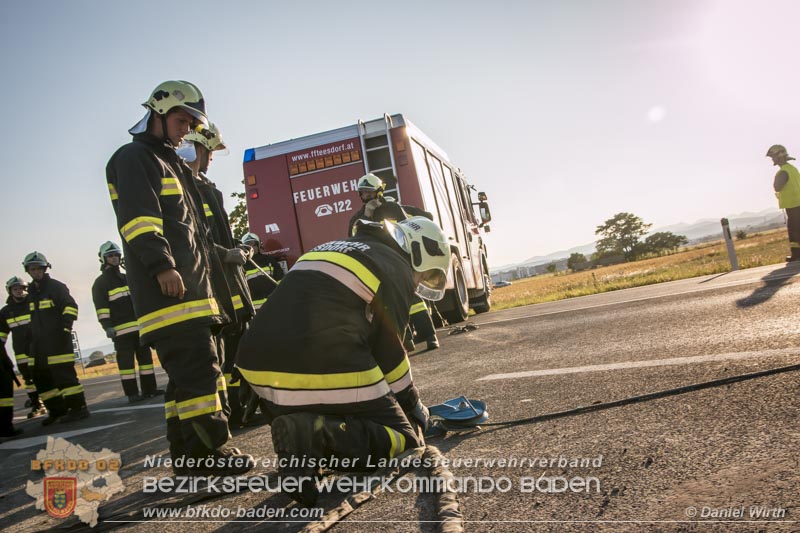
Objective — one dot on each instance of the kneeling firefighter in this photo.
(326, 353)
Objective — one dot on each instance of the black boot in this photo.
(75, 414)
(296, 437)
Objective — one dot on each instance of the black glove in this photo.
(235, 256)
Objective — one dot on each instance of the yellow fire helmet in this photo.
(370, 182)
(777, 150)
(178, 93)
(35, 259)
(427, 245)
(209, 137)
(14, 282)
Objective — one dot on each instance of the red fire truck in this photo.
(303, 192)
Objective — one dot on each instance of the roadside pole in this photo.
(726, 232)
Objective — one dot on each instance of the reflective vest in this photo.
(789, 196)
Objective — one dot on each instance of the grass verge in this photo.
(759, 249)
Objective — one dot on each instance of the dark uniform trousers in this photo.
(6, 401)
(61, 365)
(51, 397)
(380, 433)
(129, 352)
(793, 227)
(228, 344)
(421, 320)
(30, 387)
(196, 423)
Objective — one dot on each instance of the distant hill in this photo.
(698, 231)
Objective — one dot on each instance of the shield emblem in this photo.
(60, 496)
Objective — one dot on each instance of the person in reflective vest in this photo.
(326, 355)
(198, 150)
(787, 189)
(53, 311)
(175, 276)
(112, 302)
(15, 320)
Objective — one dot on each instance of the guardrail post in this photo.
(726, 232)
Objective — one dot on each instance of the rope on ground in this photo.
(447, 506)
(355, 500)
(646, 397)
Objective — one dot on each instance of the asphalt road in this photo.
(718, 458)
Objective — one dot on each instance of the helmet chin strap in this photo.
(164, 136)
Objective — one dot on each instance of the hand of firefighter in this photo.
(110, 333)
(235, 256)
(371, 206)
(171, 283)
(421, 415)
(236, 376)
(247, 250)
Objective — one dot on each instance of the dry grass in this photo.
(710, 258)
(108, 369)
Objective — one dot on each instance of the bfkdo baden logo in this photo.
(75, 481)
(60, 496)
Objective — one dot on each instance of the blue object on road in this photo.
(458, 414)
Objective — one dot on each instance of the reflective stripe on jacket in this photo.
(329, 338)
(160, 218)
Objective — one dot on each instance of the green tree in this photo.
(741, 235)
(575, 259)
(621, 235)
(664, 241)
(551, 267)
(238, 216)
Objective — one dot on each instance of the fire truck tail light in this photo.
(251, 180)
(254, 194)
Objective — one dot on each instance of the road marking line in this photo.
(733, 356)
(131, 408)
(20, 444)
(642, 299)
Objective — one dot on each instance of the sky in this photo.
(565, 112)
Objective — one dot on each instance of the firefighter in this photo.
(112, 302)
(175, 277)
(374, 205)
(53, 311)
(15, 320)
(376, 208)
(326, 351)
(261, 286)
(7, 379)
(787, 189)
(198, 150)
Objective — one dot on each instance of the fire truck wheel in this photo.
(458, 296)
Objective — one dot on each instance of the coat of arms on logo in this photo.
(60, 496)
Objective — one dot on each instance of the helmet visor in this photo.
(197, 110)
(431, 286)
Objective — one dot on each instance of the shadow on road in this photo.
(773, 282)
